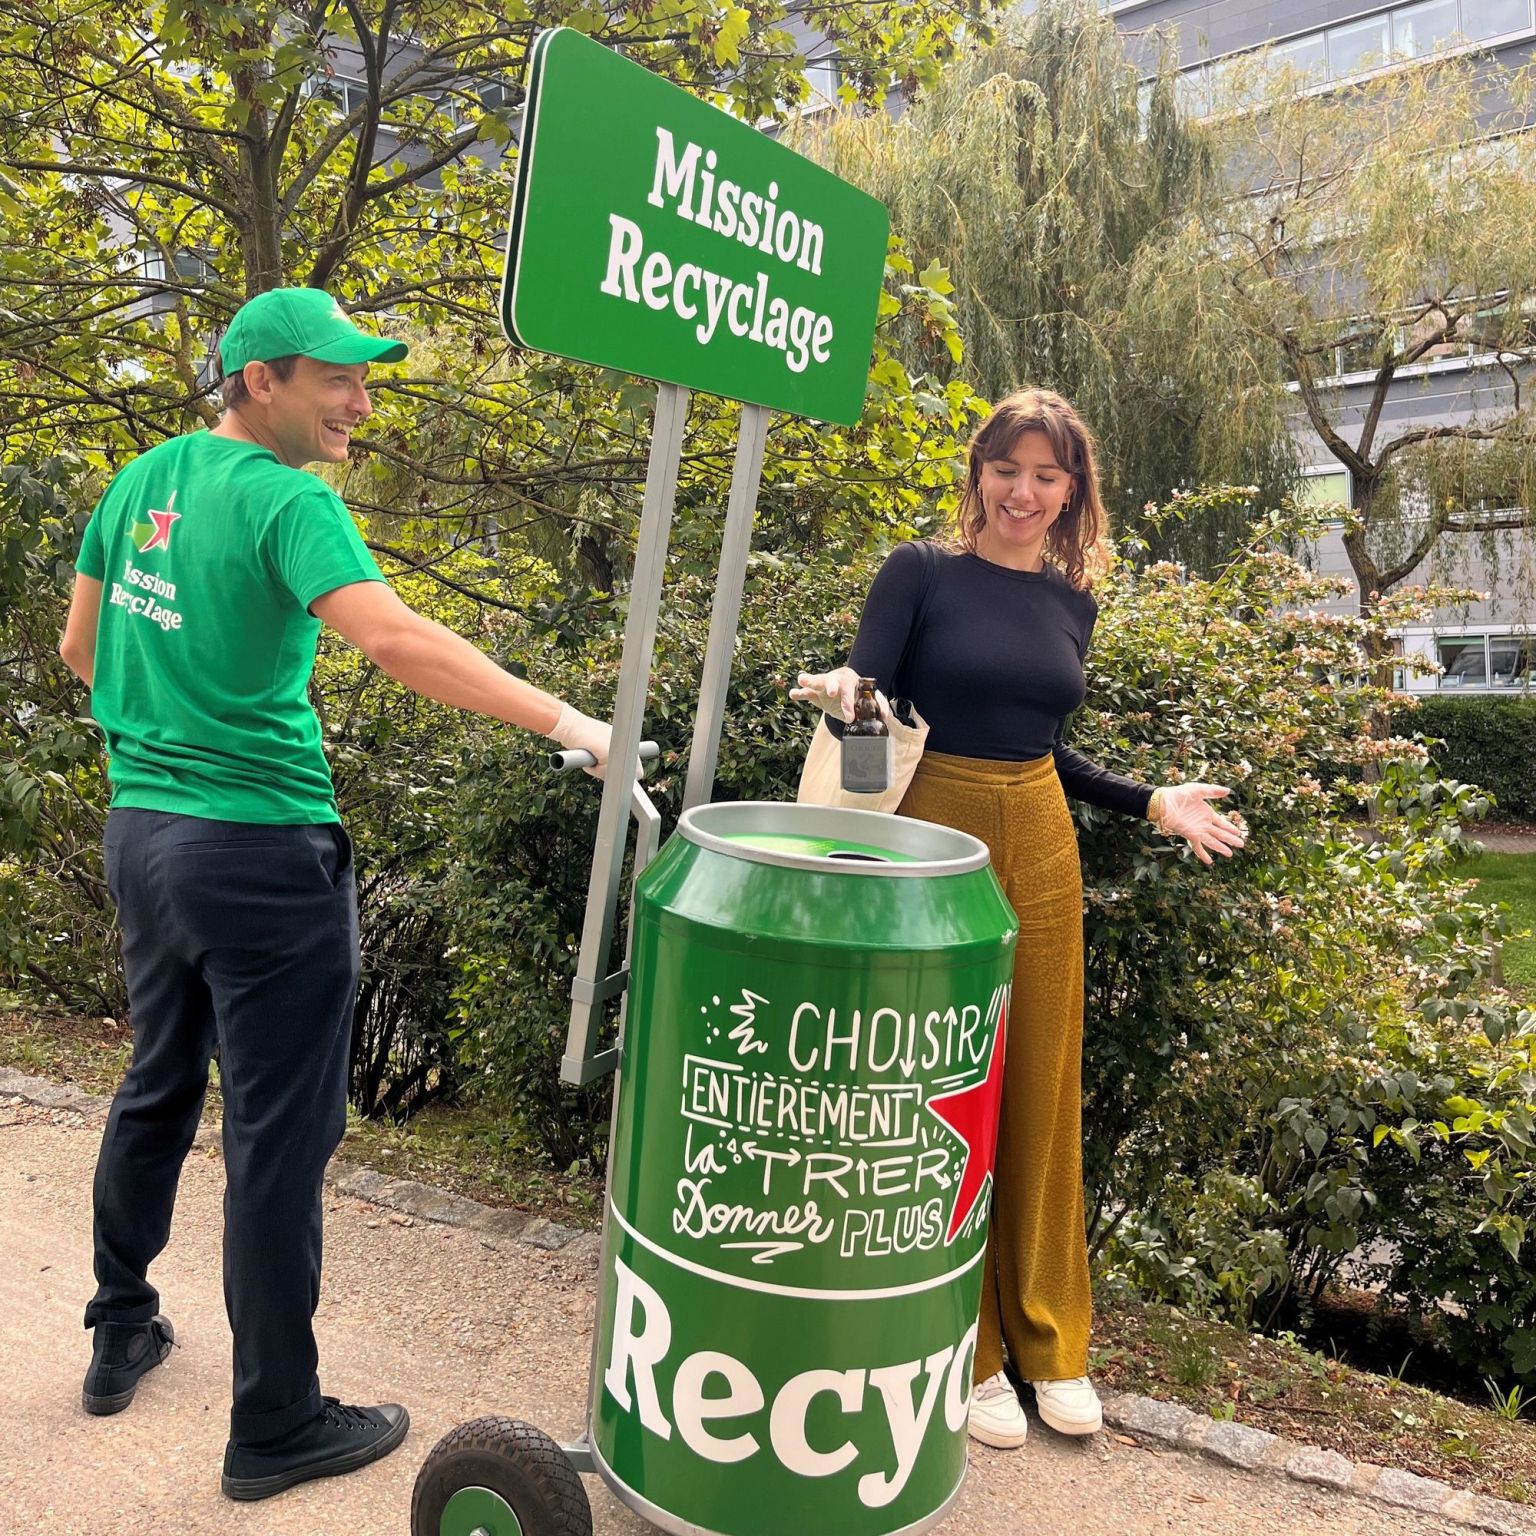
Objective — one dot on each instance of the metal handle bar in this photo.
(565, 762)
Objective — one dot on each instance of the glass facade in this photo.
(1418, 29)
(1353, 48)
(1486, 662)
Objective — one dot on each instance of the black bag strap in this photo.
(930, 570)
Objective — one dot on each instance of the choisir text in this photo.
(906, 1396)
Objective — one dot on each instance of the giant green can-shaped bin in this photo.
(801, 1173)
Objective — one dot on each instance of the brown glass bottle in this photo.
(866, 712)
(866, 758)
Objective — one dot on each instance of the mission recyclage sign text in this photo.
(653, 233)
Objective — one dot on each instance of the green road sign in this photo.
(653, 233)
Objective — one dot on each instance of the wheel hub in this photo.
(479, 1512)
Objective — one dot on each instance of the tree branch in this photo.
(453, 586)
(117, 173)
(1306, 385)
(1415, 435)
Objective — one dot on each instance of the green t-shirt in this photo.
(210, 552)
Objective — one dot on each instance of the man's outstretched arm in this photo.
(432, 660)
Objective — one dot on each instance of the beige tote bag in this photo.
(821, 779)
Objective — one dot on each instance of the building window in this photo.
(1308, 56)
(821, 82)
(1324, 488)
(1352, 48)
(1481, 19)
(351, 95)
(1511, 661)
(1416, 29)
(1465, 660)
(1359, 46)
(1487, 662)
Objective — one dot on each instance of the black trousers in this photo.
(245, 935)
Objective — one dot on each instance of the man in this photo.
(205, 574)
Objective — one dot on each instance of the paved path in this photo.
(1496, 838)
(453, 1326)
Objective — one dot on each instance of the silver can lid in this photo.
(830, 840)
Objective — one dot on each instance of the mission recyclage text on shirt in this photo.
(692, 292)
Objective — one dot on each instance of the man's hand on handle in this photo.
(581, 733)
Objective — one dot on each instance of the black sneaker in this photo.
(120, 1355)
(338, 1439)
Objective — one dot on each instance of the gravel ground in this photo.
(453, 1326)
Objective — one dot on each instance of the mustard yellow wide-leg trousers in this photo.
(1035, 1292)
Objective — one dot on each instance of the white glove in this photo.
(577, 732)
(1184, 810)
(832, 692)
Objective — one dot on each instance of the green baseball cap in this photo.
(307, 322)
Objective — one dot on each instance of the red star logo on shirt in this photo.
(161, 537)
(972, 1114)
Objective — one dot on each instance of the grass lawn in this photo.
(1511, 878)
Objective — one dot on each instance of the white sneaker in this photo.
(997, 1415)
(1069, 1407)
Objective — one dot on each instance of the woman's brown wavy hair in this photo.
(1078, 541)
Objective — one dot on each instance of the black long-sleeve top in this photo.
(996, 667)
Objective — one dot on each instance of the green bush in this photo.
(394, 758)
(1296, 1057)
(1490, 742)
(58, 935)
(521, 844)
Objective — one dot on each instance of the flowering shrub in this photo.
(1276, 1045)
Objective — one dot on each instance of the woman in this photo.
(989, 636)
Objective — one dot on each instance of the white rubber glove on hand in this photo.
(1184, 810)
(577, 732)
(831, 692)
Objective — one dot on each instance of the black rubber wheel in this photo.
(499, 1476)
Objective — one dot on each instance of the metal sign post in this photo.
(591, 989)
(734, 549)
(621, 790)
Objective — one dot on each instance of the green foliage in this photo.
(57, 936)
(162, 167)
(522, 843)
(1456, 1195)
(1490, 742)
(1025, 171)
(1506, 1404)
(1295, 1057)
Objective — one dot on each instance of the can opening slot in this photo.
(849, 856)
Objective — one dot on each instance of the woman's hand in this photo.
(1184, 810)
(831, 692)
